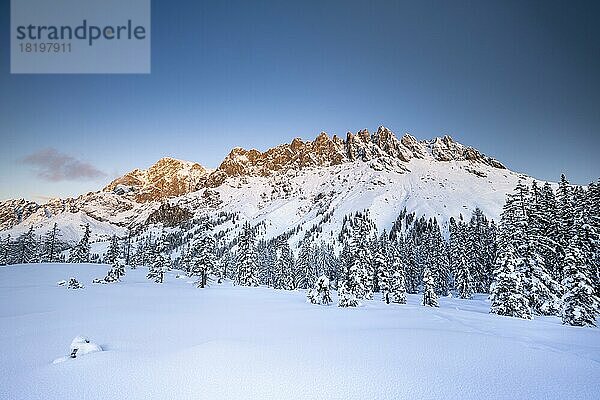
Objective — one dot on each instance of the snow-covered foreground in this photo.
(174, 341)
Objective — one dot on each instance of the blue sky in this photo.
(517, 80)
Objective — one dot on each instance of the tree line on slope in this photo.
(542, 259)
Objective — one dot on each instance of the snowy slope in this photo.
(440, 189)
(174, 341)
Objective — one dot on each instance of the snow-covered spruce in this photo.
(81, 252)
(201, 260)
(160, 262)
(398, 288)
(117, 270)
(429, 297)
(247, 269)
(346, 298)
(74, 284)
(320, 294)
(580, 304)
(458, 254)
(383, 259)
(283, 273)
(507, 294)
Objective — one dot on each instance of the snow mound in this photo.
(82, 345)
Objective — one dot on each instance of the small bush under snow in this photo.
(80, 346)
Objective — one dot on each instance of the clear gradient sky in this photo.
(518, 80)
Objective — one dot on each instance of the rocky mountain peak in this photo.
(168, 177)
(324, 151)
(446, 149)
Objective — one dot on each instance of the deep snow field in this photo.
(174, 341)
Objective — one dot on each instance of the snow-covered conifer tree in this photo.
(5, 251)
(398, 283)
(81, 252)
(266, 258)
(305, 265)
(362, 258)
(320, 293)
(127, 251)
(112, 254)
(111, 257)
(202, 258)
(580, 304)
(160, 262)
(74, 284)
(458, 259)
(247, 268)
(429, 296)
(439, 260)
(382, 267)
(227, 263)
(346, 298)
(411, 269)
(50, 251)
(508, 292)
(284, 266)
(27, 247)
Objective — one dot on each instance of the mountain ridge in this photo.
(282, 186)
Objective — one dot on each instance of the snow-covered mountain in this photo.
(292, 186)
(168, 177)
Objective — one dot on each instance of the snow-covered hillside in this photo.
(174, 341)
(325, 195)
(291, 186)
